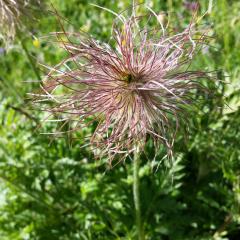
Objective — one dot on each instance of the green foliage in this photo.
(53, 189)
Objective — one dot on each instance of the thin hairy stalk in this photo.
(136, 195)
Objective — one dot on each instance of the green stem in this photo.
(32, 63)
(136, 195)
(170, 5)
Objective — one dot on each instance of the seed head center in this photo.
(129, 78)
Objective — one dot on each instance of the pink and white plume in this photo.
(135, 87)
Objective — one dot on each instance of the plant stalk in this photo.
(136, 195)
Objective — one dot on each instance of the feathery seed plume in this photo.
(136, 86)
(14, 15)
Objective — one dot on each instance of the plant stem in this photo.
(136, 195)
(30, 60)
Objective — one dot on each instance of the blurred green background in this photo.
(57, 190)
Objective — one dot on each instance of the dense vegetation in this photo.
(57, 190)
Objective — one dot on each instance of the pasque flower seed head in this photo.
(15, 15)
(136, 86)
